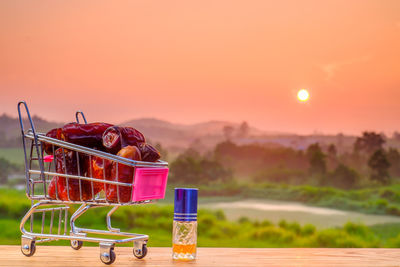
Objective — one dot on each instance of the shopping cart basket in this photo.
(148, 185)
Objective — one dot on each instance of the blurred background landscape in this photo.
(265, 189)
(214, 86)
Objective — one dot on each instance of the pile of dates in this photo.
(125, 142)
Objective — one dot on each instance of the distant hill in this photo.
(179, 136)
(172, 135)
(199, 129)
(200, 136)
(10, 130)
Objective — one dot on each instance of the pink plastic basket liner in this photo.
(150, 183)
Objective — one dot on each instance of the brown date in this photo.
(148, 152)
(100, 169)
(71, 164)
(116, 137)
(125, 175)
(54, 133)
(88, 135)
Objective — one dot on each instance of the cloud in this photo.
(331, 68)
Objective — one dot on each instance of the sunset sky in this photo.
(194, 61)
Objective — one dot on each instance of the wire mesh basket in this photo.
(74, 174)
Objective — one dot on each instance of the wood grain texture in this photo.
(53, 256)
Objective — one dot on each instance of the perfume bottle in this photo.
(184, 233)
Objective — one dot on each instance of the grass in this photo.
(374, 200)
(386, 231)
(14, 155)
(214, 230)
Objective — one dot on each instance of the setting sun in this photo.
(303, 95)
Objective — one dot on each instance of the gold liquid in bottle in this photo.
(185, 249)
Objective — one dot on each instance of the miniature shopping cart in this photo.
(52, 223)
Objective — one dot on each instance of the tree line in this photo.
(368, 163)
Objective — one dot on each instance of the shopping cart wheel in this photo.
(76, 244)
(140, 253)
(108, 257)
(28, 249)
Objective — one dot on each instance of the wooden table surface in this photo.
(51, 256)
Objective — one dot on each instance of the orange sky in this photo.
(192, 61)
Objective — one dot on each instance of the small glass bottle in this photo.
(184, 233)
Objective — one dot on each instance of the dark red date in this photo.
(68, 189)
(54, 133)
(115, 138)
(88, 135)
(148, 152)
(125, 175)
(100, 169)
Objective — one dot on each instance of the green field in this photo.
(13, 155)
(372, 200)
(275, 211)
(213, 228)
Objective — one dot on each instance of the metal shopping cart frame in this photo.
(39, 172)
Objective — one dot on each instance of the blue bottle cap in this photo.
(185, 208)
